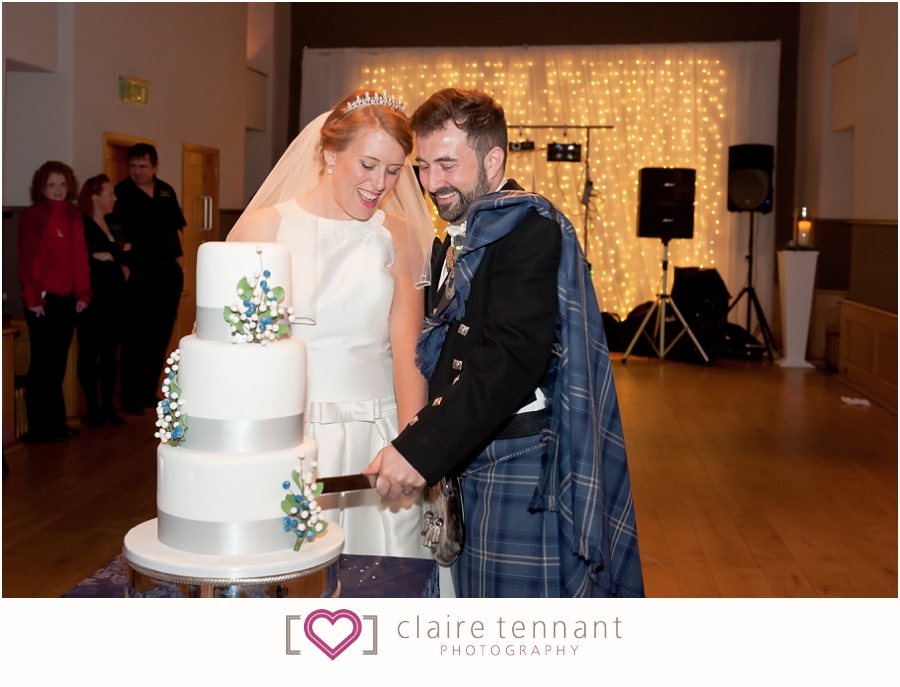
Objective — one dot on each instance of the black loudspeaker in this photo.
(666, 203)
(750, 178)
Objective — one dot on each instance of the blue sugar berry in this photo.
(267, 274)
(286, 484)
(305, 504)
(299, 533)
(310, 534)
(298, 499)
(246, 303)
(264, 285)
(294, 522)
(286, 521)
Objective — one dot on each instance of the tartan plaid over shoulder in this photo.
(585, 474)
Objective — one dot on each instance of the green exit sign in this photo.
(134, 91)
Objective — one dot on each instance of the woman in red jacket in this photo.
(56, 284)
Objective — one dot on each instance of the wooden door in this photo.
(200, 204)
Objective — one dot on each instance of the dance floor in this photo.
(749, 480)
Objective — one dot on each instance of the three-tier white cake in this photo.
(221, 477)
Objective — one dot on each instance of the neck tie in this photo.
(450, 261)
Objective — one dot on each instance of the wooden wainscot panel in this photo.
(9, 391)
(868, 357)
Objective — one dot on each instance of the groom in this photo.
(521, 401)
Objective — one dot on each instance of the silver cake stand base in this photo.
(156, 570)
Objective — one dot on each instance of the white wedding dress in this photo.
(351, 408)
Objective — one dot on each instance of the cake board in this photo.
(155, 569)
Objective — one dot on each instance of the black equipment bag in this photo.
(612, 327)
(702, 298)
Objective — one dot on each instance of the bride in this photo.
(357, 277)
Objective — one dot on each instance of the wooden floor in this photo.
(748, 480)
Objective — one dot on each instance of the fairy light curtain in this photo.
(670, 106)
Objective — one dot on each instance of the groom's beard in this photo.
(457, 212)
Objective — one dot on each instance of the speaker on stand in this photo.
(750, 190)
(665, 212)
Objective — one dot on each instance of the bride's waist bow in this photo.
(327, 412)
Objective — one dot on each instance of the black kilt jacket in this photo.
(495, 356)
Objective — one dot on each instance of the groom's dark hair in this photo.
(474, 112)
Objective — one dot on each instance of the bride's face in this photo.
(363, 174)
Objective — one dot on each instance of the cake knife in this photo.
(332, 485)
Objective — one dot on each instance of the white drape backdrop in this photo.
(670, 105)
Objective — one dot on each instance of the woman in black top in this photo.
(99, 325)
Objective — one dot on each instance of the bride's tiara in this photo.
(376, 99)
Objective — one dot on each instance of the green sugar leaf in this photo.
(317, 492)
(282, 330)
(287, 504)
(279, 293)
(298, 480)
(227, 314)
(244, 290)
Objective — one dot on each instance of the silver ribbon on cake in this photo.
(211, 325)
(223, 538)
(243, 436)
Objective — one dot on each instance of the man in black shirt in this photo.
(152, 222)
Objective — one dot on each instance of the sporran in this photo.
(445, 527)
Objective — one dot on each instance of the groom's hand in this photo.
(395, 475)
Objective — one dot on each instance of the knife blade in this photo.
(333, 485)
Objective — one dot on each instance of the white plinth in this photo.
(797, 276)
(144, 549)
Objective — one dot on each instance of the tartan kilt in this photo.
(509, 551)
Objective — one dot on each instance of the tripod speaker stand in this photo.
(753, 301)
(750, 190)
(665, 212)
(659, 306)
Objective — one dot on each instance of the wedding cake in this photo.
(235, 489)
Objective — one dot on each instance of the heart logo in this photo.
(332, 651)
